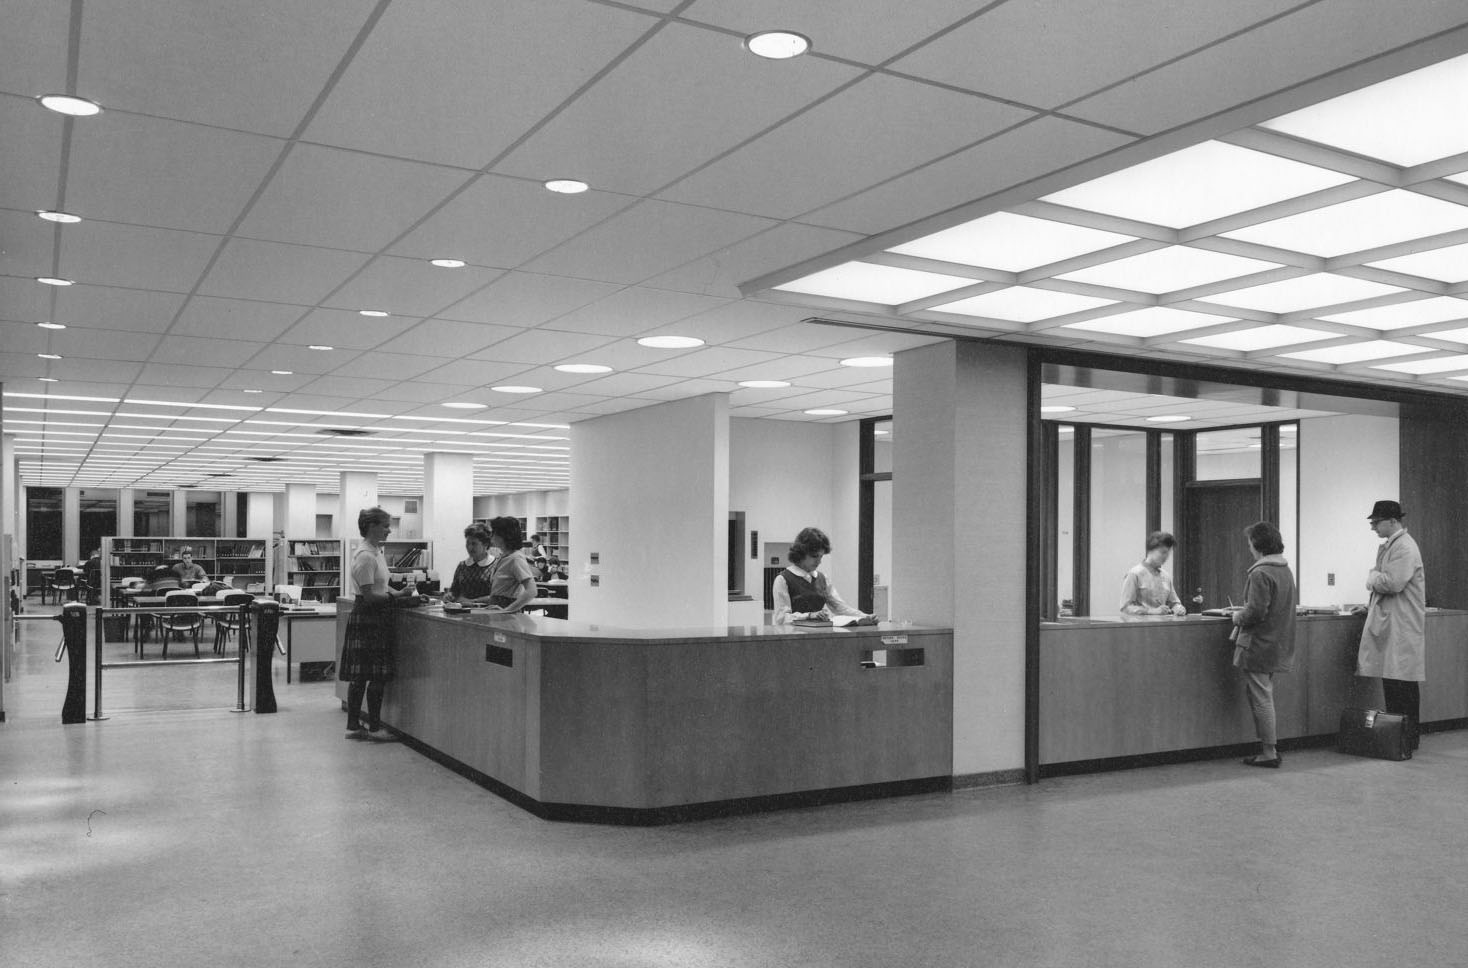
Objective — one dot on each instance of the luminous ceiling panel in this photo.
(1152, 321)
(1356, 352)
(1169, 270)
(1261, 338)
(873, 283)
(1449, 264)
(1415, 118)
(1362, 223)
(1011, 242)
(1021, 304)
(1417, 313)
(1303, 292)
(1198, 184)
(1444, 364)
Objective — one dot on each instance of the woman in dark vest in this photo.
(471, 578)
(801, 591)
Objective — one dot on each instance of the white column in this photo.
(358, 490)
(260, 515)
(448, 506)
(959, 499)
(179, 512)
(298, 516)
(71, 525)
(650, 498)
(9, 491)
(124, 512)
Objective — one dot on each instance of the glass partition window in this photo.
(1289, 489)
(202, 509)
(1228, 455)
(43, 523)
(1065, 477)
(98, 518)
(152, 513)
(1118, 512)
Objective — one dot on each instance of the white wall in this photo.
(1347, 464)
(650, 497)
(525, 504)
(1118, 515)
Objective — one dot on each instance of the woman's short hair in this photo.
(1161, 539)
(810, 541)
(479, 532)
(366, 516)
(1265, 538)
(509, 531)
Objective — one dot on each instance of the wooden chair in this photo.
(180, 622)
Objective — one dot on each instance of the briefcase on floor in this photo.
(1371, 732)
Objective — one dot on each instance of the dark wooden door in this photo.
(1215, 554)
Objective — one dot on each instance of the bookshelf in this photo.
(555, 534)
(245, 560)
(404, 557)
(316, 567)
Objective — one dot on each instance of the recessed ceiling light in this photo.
(252, 391)
(566, 186)
(515, 389)
(49, 356)
(867, 361)
(320, 346)
(448, 263)
(1169, 418)
(465, 405)
(1056, 408)
(283, 372)
(77, 107)
(583, 368)
(48, 379)
(66, 218)
(670, 342)
(766, 385)
(777, 44)
(826, 413)
(52, 325)
(53, 281)
(371, 312)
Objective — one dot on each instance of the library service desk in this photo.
(1117, 692)
(578, 722)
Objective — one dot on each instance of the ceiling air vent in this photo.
(342, 432)
(267, 460)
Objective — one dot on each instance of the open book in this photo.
(836, 621)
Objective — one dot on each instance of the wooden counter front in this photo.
(1114, 689)
(574, 721)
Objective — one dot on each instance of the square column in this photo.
(959, 504)
(448, 506)
(298, 516)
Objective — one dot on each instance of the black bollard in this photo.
(73, 619)
(267, 625)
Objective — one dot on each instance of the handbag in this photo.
(1371, 732)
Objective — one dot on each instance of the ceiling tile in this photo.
(423, 392)
(876, 129)
(237, 318)
(338, 327)
(739, 320)
(283, 356)
(473, 373)
(33, 53)
(345, 199)
(30, 148)
(722, 272)
(790, 368)
(105, 307)
(510, 62)
(869, 33)
(291, 273)
(684, 389)
(28, 247)
(624, 384)
(635, 132)
(447, 338)
(409, 287)
(167, 375)
(196, 351)
(795, 339)
(634, 311)
(546, 345)
(647, 240)
(253, 67)
(1047, 52)
(708, 361)
(1317, 39)
(527, 299)
(1020, 156)
(381, 366)
(108, 254)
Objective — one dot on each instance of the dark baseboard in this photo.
(974, 781)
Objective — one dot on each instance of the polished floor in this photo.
(178, 832)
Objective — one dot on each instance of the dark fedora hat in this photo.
(1385, 510)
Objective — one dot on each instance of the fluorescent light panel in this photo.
(1303, 292)
(865, 282)
(1022, 304)
(1401, 315)
(1010, 242)
(1442, 364)
(1355, 352)
(1449, 264)
(1362, 223)
(1169, 270)
(1152, 321)
(1261, 338)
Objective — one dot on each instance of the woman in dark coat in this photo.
(1265, 636)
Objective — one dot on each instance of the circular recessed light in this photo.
(320, 346)
(52, 325)
(282, 372)
(252, 391)
(777, 44)
(868, 361)
(670, 342)
(77, 107)
(1169, 418)
(583, 368)
(370, 312)
(448, 263)
(66, 218)
(53, 281)
(826, 413)
(49, 356)
(764, 384)
(566, 186)
(48, 379)
(464, 405)
(515, 389)
(1056, 408)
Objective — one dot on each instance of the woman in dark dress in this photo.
(369, 659)
(471, 578)
(801, 591)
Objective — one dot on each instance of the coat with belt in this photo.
(1267, 619)
(1394, 641)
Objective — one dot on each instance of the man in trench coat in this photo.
(1394, 641)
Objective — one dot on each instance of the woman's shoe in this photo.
(1261, 761)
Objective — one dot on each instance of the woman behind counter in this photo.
(369, 659)
(1147, 589)
(471, 578)
(511, 576)
(801, 592)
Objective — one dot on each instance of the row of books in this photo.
(294, 564)
(316, 548)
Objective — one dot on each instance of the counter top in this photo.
(1191, 619)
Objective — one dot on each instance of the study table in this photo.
(574, 721)
(1116, 692)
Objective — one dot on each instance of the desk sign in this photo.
(894, 640)
(499, 655)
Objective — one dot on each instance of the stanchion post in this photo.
(267, 625)
(73, 620)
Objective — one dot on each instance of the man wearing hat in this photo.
(1394, 641)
